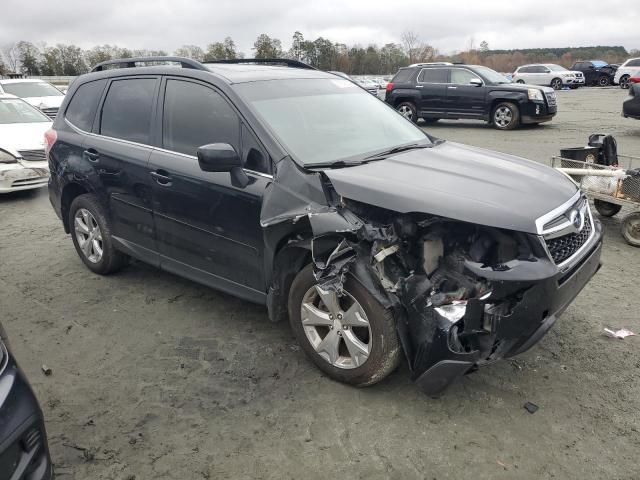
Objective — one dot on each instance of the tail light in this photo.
(389, 87)
(50, 137)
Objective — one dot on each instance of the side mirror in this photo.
(218, 157)
(222, 157)
(476, 82)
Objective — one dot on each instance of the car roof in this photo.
(241, 73)
(22, 80)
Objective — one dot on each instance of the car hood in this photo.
(45, 102)
(23, 136)
(523, 87)
(459, 182)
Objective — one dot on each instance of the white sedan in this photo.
(23, 164)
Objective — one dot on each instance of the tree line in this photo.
(62, 59)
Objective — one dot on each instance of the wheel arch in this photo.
(69, 193)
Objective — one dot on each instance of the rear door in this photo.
(208, 229)
(525, 74)
(463, 98)
(432, 85)
(119, 154)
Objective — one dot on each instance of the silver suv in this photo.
(555, 76)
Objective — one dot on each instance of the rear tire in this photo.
(408, 110)
(606, 209)
(382, 341)
(91, 234)
(624, 81)
(505, 116)
(556, 84)
(520, 82)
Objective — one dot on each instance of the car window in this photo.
(31, 89)
(433, 75)
(126, 112)
(82, 108)
(460, 76)
(195, 115)
(253, 155)
(402, 76)
(633, 63)
(524, 70)
(15, 110)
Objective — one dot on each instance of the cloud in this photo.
(163, 24)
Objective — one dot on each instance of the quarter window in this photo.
(82, 108)
(195, 115)
(126, 112)
(460, 76)
(433, 75)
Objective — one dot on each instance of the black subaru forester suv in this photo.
(373, 238)
(451, 91)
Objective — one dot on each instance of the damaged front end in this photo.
(462, 294)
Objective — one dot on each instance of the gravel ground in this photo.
(156, 377)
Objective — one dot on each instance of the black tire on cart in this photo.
(631, 229)
(606, 209)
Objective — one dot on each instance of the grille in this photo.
(50, 112)
(551, 98)
(562, 248)
(33, 155)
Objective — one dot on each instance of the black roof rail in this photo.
(131, 62)
(267, 61)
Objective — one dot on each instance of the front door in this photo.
(463, 98)
(119, 152)
(207, 228)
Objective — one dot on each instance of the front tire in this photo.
(556, 84)
(603, 81)
(521, 82)
(624, 81)
(408, 110)
(505, 116)
(351, 338)
(91, 234)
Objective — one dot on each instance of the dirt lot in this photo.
(156, 377)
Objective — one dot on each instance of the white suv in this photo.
(628, 69)
(549, 74)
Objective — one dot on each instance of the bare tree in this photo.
(410, 41)
(11, 54)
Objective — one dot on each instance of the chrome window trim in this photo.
(547, 217)
(152, 147)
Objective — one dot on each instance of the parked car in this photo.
(40, 94)
(635, 79)
(596, 72)
(432, 92)
(24, 452)
(549, 74)
(372, 237)
(369, 85)
(631, 106)
(628, 69)
(23, 165)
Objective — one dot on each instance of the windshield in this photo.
(14, 110)
(599, 63)
(491, 76)
(322, 121)
(556, 68)
(31, 89)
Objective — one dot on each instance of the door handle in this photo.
(419, 86)
(161, 177)
(91, 154)
(452, 87)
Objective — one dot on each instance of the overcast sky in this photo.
(449, 26)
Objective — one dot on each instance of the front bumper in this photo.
(23, 176)
(24, 452)
(497, 333)
(537, 112)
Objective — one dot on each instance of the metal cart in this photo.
(610, 187)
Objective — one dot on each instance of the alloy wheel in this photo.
(406, 112)
(556, 84)
(337, 327)
(603, 81)
(88, 235)
(624, 82)
(503, 117)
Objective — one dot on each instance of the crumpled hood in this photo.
(459, 182)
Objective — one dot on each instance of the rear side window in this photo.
(433, 75)
(82, 107)
(126, 113)
(195, 115)
(403, 76)
(524, 70)
(634, 63)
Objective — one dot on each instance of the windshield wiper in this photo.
(337, 163)
(401, 148)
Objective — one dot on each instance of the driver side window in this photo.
(461, 76)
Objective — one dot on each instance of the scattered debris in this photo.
(531, 407)
(503, 465)
(46, 370)
(620, 333)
